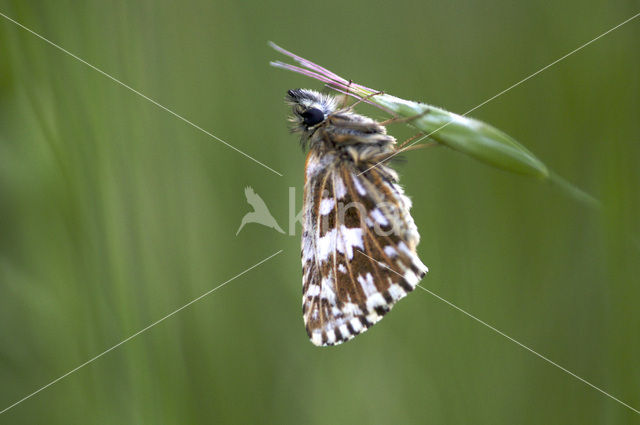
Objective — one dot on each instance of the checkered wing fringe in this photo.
(358, 250)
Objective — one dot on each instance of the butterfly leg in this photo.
(420, 146)
(418, 136)
(411, 139)
(395, 120)
(345, 98)
(363, 99)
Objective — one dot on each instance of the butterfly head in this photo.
(310, 109)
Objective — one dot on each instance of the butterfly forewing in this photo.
(358, 248)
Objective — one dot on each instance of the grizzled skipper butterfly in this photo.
(359, 240)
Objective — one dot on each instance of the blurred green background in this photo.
(114, 213)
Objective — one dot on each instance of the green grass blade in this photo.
(467, 135)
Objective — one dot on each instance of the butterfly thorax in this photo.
(352, 137)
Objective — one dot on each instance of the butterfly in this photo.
(359, 239)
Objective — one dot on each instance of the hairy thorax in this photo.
(354, 138)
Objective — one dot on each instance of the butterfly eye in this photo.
(312, 116)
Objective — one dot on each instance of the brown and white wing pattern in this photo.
(358, 248)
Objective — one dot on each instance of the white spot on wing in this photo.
(404, 248)
(419, 265)
(414, 258)
(373, 317)
(326, 245)
(411, 278)
(396, 291)
(390, 251)
(326, 290)
(352, 237)
(339, 188)
(358, 185)
(344, 331)
(326, 205)
(379, 217)
(356, 325)
(367, 284)
(313, 290)
(343, 239)
(342, 268)
(375, 300)
(351, 309)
